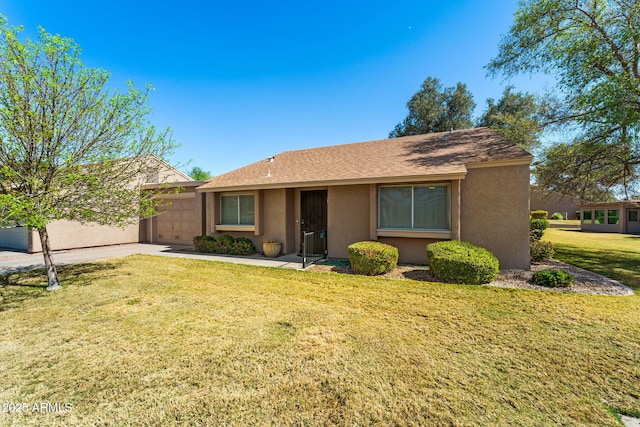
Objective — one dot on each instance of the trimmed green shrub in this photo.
(539, 214)
(462, 262)
(538, 224)
(557, 215)
(225, 245)
(540, 251)
(204, 243)
(552, 278)
(536, 229)
(372, 258)
(535, 235)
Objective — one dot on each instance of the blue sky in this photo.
(241, 81)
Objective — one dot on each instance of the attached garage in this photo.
(180, 218)
(15, 238)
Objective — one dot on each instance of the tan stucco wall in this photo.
(411, 251)
(494, 212)
(278, 218)
(348, 218)
(554, 202)
(65, 234)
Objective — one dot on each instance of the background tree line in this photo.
(592, 49)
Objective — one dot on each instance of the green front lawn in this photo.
(610, 254)
(160, 341)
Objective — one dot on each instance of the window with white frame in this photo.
(237, 209)
(415, 207)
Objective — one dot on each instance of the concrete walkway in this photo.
(11, 261)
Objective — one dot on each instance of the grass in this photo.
(158, 342)
(613, 255)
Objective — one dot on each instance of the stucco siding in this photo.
(410, 250)
(65, 234)
(348, 218)
(494, 212)
(278, 219)
(603, 228)
(554, 202)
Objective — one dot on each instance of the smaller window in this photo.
(599, 216)
(633, 216)
(587, 217)
(578, 215)
(613, 217)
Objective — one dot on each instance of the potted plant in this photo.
(271, 248)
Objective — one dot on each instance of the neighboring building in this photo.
(553, 202)
(612, 217)
(470, 185)
(71, 234)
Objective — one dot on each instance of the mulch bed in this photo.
(586, 282)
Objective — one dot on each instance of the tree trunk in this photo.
(52, 274)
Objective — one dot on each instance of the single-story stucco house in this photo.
(612, 217)
(65, 234)
(470, 185)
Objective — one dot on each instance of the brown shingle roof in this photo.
(437, 155)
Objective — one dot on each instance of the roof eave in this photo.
(327, 183)
(497, 163)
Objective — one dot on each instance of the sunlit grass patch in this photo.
(154, 341)
(613, 255)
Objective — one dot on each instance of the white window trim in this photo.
(416, 232)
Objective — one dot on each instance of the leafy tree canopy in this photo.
(593, 49)
(199, 174)
(435, 108)
(69, 147)
(518, 116)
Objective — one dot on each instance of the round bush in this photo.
(372, 258)
(552, 278)
(539, 214)
(540, 251)
(538, 224)
(462, 262)
(557, 215)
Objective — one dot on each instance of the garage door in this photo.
(177, 223)
(14, 238)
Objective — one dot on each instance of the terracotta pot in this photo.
(271, 249)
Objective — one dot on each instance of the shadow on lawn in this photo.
(19, 286)
(619, 265)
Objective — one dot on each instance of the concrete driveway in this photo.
(12, 261)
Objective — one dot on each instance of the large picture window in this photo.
(237, 209)
(613, 216)
(415, 207)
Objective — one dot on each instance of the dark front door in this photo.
(313, 218)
